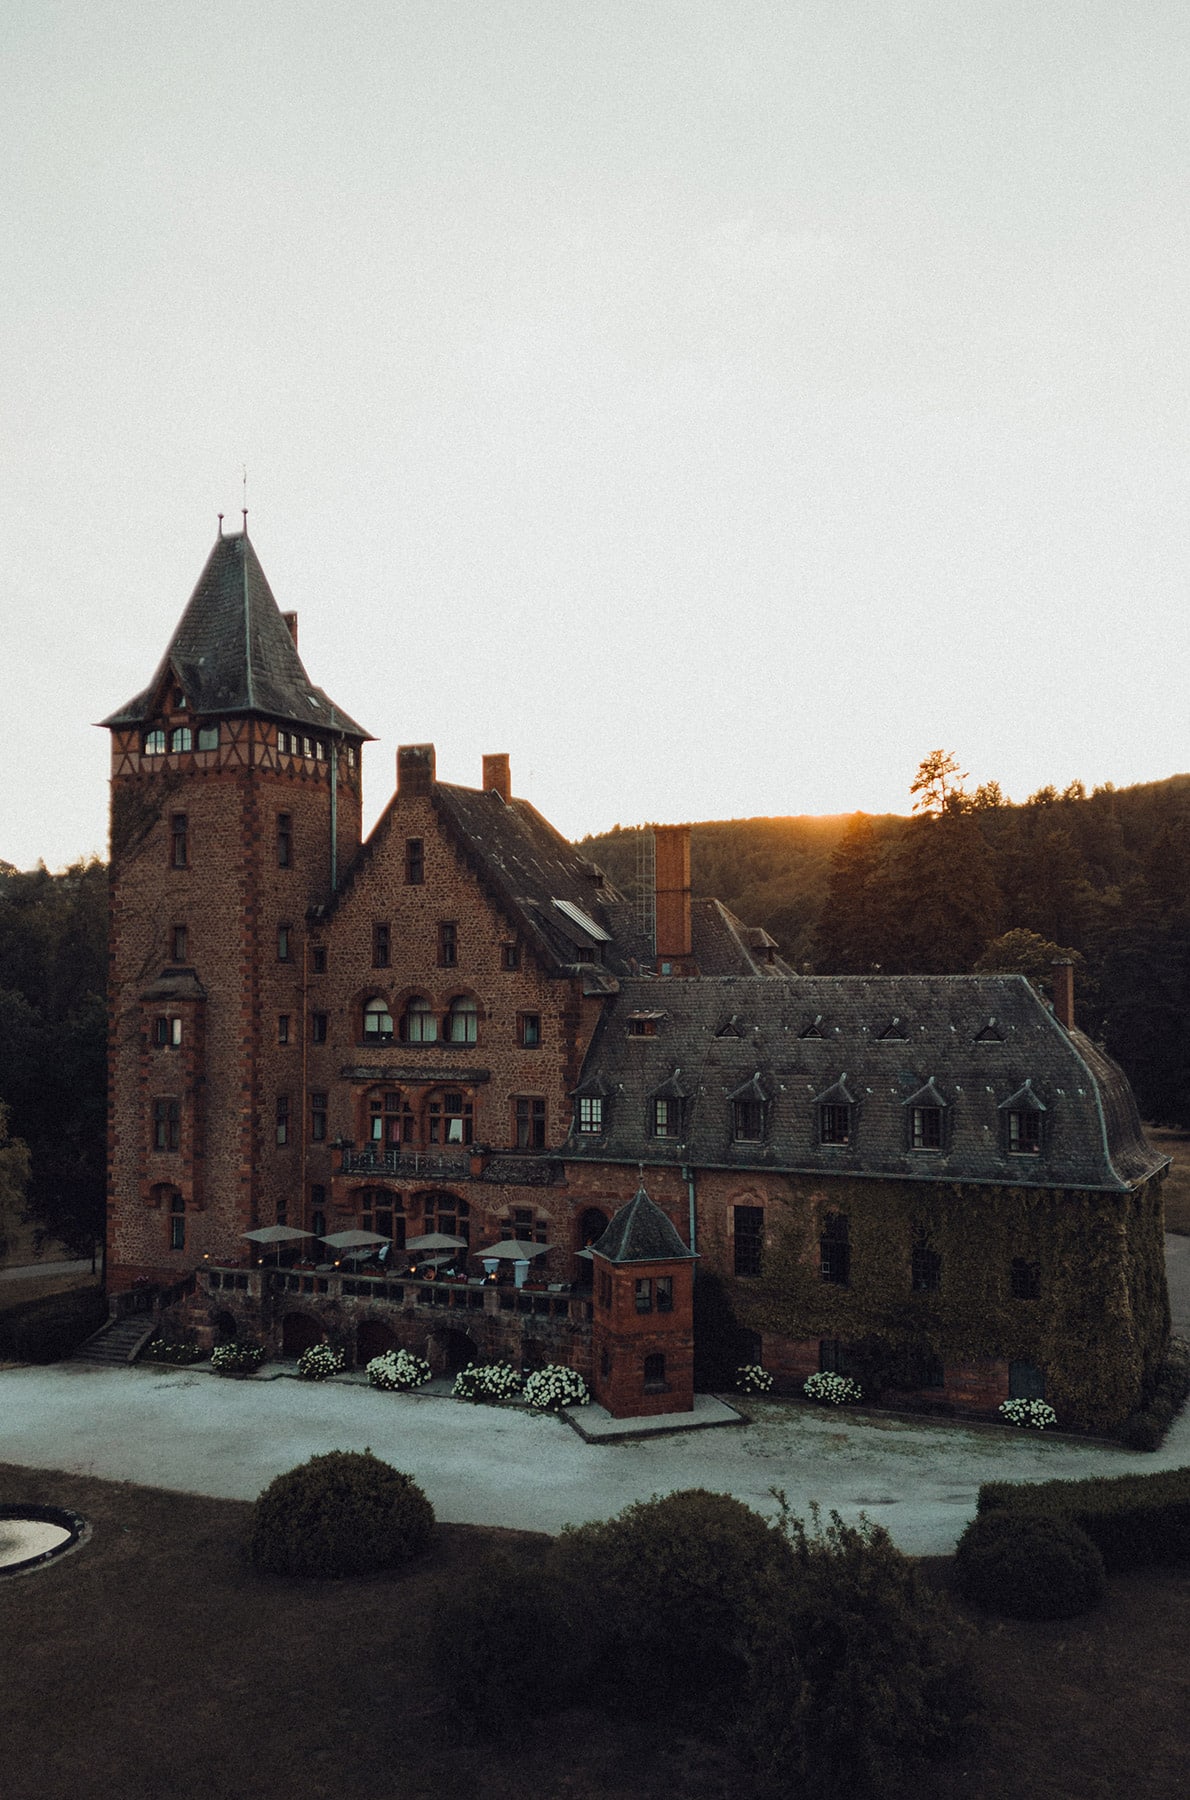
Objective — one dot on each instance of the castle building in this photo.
(459, 1030)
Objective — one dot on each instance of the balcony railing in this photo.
(558, 1301)
(375, 1161)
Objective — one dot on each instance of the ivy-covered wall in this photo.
(1098, 1327)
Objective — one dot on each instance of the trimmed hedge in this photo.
(47, 1330)
(345, 1513)
(1136, 1520)
(1029, 1565)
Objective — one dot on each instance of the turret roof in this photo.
(233, 653)
(641, 1232)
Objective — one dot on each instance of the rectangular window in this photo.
(590, 1112)
(161, 1032)
(415, 862)
(1025, 1279)
(530, 1123)
(664, 1289)
(178, 944)
(318, 1118)
(644, 1294)
(208, 737)
(747, 1121)
(284, 840)
(450, 1119)
(655, 1382)
(1024, 1133)
(282, 1028)
(380, 946)
(665, 1118)
(834, 1124)
(926, 1270)
(283, 943)
(179, 841)
(177, 1223)
(642, 1027)
(167, 1117)
(926, 1128)
(748, 1224)
(282, 1118)
(835, 1249)
(318, 961)
(528, 1030)
(448, 944)
(510, 956)
(318, 1027)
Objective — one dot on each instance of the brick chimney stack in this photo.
(415, 769)
(673, 891)
(497, 777)
(1063, 983)
(291, 625)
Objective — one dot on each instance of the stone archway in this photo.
(299, 1332)
(449, 1351)
(226, 1329)
(373, 1338)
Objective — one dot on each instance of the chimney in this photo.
(291, 626)
(672, 890)
(497, 777)
(415, 769)
(1063, 984)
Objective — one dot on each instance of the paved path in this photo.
(195, 1432)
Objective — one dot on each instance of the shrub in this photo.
(237, 1358)
(173, 1351)
(832, 1390)
(1034, 1414)
(487, 1383)
(750, 1378)
(1146, 1429)
(319, 1363)
(50, 1329)
(502, 1612)
(398, 1371)
(1029, 1566)
(1135, 1520)
(555, 1386)
(345, 1513)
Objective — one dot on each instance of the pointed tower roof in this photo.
(233, 653)
(640, 1232)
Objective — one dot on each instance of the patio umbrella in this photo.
(354, 1240)
(276, 1234)
(435, 1240)
(513, 1250)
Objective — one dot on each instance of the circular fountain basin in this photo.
(32, 1536)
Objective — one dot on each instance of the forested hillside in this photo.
(974, 882)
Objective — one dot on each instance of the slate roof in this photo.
(528, 865)
(978, 1038)
(723, 945)
(640, 1232)
(232, 652)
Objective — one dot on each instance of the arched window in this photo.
(181, 738)
(462, 1021)
(378, 1021)
(418, 1022)
(155, 742)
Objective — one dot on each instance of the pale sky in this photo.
(716, 405)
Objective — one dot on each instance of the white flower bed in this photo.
(236, 1359)
(1029, 1413)
(398, 1371)
(319, 1362)
(832, 1390)
(555, 1386)
(487, 1383)
(751, 1378)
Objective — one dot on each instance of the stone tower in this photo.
(642, 1337)
(235, 808)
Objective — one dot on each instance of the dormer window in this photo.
(749, 1110)
(1022, 1118)
(834, 1124)
(378, 1021)
(590, 1113)
(926, 1118)
(666, 1117)
(644, 1024)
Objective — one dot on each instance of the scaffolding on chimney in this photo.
(646, 889)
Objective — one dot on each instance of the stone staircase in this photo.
(119, 1342)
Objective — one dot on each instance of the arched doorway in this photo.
(299, 1332)
(373, 1338)
(591, 1227)
(449, 1351)
(226, 1329)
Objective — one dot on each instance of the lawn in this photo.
(152, 1665)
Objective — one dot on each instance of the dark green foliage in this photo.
(721, 1343)
(344, 1513)
(1135, 1520)
(1029, 1565)
(1146, 1429)
(816, 1655)
(47, 1330)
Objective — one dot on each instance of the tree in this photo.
(14, 1176)
(938, 783)
(852, 928)
(1021, 952)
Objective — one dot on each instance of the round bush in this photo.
(345, 1513)
(1029, 1566)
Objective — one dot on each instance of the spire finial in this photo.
(220, 524)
